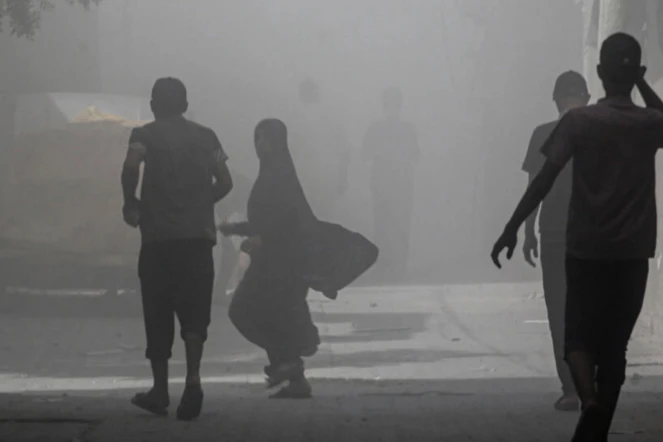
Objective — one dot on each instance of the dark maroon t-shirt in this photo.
(177, 193)
(612, 214)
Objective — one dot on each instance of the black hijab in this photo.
(277, 191)
(327, 256)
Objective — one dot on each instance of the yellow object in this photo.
(91, 114)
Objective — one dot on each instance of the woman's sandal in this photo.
(299, 390)
(282, 373)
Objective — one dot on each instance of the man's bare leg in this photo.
(157, 400)
(192, 398)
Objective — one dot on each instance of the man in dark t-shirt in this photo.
(611, 230)
(184, 175)
(570, 92)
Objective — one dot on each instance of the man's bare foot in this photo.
(191, 403)
(153, 401)
(568, 402)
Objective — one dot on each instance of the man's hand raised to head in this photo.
(648, 94)
(508, 241)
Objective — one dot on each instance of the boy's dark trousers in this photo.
(553, 266)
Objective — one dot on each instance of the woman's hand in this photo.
(251, 245)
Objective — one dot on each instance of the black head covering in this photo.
(277, 187)
(326, 256)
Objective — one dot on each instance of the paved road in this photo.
(464, 363)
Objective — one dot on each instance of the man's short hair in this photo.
(620, 58)
(570, 84)
(169, 96)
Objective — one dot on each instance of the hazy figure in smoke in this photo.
(185, 174)
(391, 146)
(269, 307)
(570, 92)
(320, 149)
(611, 231)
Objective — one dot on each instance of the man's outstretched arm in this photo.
(534, 195)
(558, 149)
(223, 182)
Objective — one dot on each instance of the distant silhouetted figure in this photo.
(611, 230)
(570, 92)
(320, 150)
(391, 146)
(185, 174)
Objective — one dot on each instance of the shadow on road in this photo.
(485, 410)
(113, 346)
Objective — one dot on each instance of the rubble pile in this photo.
(93, 115)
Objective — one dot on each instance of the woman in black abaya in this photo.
(269, 307)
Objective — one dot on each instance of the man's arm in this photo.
(530, 222)
(131, 172)
(558, 149)
(242, 228)
(223, 182)
(534, 195)
(649, 96)
(532, 164)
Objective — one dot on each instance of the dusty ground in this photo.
(463, 363)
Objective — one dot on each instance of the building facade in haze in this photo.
(62, 57)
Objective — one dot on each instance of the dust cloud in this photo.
(474, 79)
